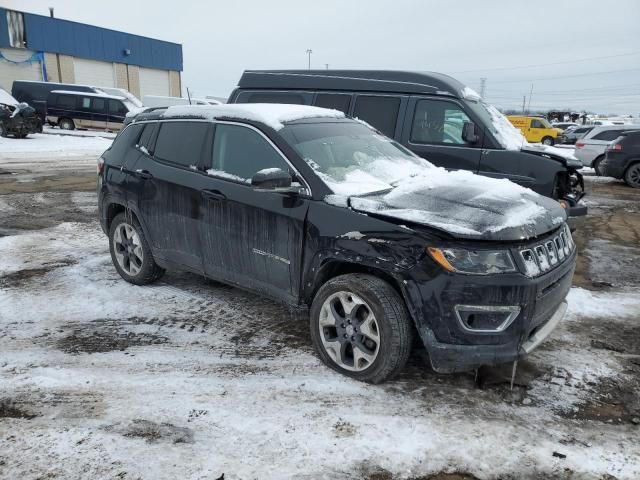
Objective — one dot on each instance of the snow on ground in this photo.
(189, 379)
(79, 133)
(46, 146)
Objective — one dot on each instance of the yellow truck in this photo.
(536, 129)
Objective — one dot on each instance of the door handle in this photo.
(213, 194)
(144, 174)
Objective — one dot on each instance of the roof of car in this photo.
(361, 80)
(271, 114)
(89, 94)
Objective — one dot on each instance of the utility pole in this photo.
(524, 101)
(529, 103)
(309, 52)
(326, 66)
(483, 86)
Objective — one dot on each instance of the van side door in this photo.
(99, 113)
(433, 130)
(117, 113)
(251, 238)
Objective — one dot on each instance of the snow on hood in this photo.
(274, 115)
(512, 139)
(466, 205)
(6, 98)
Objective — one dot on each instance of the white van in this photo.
(158, 101)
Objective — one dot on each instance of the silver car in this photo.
(590, 148)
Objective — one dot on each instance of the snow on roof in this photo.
(271, 114)
(89, 94)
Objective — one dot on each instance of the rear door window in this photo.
(98, 105)
(66, 101)
(117, 108)
(438, 122)
(181, 143)
(336, 101)
(240, 152)
(381, 112)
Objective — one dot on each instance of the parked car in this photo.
(537, 129)
(622, 158)
(17, 118)
(564, 126)
(325, 214)
(590, 149)
(69, 110)
(433, 115)
(571, 136)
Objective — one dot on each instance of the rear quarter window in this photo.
(336, 101)
(381, 112)
(126, 139)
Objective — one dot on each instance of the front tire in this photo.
(130, 251)
(360, 327)
(548, 141)
(632, 175)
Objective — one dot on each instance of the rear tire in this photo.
(130, 252)
(596, 165)
(548, 141)
(632, 175)
(360, 327)
(66, 124)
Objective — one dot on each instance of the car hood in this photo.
(466, 206)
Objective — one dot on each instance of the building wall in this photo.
(133, 73)
(175, 84)
(51, 63)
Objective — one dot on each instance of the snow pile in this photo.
(6, 98)
(470, 94)
(43, 145)
(509, 136)
(271, 114)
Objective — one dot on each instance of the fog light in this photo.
(486, 319)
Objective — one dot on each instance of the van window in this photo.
(98, 105)
(381, 112)
(276, 97)
(607, 135)
(241, 152)
(86, 103)
(117, 108)
(438, 122)
(181, 142)
(66, 101)
(337, 101)
(535, 123)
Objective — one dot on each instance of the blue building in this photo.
(36, 47)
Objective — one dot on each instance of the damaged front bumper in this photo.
(439, 305)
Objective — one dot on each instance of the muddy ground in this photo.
(192, 379)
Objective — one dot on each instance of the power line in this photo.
(527, 80)
(549, 64)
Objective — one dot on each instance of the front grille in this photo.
(545, 256)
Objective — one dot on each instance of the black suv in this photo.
(433, 115)
(622, 158)
(323, 213)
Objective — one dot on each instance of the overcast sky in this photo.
(582, 54)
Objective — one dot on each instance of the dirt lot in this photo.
(193, 379)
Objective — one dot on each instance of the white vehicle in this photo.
(159, 101)
(590, 148)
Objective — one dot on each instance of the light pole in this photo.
(309, 52)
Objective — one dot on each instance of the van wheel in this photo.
(596, 165)
(130, 252)
(66, 124)
(547, 141)
(632, 175)
(360, 327)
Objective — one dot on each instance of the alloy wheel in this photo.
(633, 175)
(349, 331)
(128, 249)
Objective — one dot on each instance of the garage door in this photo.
(17, 71)
(94, 73)
(154, 82)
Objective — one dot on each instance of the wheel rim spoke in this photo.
(369, 328)
(128, 249)
(362, 358)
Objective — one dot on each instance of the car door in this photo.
(117, 113)
(537, 130)
(99, 113)
(433, 130)
(251, 238)
(168, 188)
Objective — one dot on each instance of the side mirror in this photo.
(469, 134)
(274, 180)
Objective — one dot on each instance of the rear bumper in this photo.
(609, 167)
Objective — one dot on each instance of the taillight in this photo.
(579, 145)
(100, 165)
(616, 147)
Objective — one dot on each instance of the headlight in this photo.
(474, 262)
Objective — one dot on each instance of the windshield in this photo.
(351, 158)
